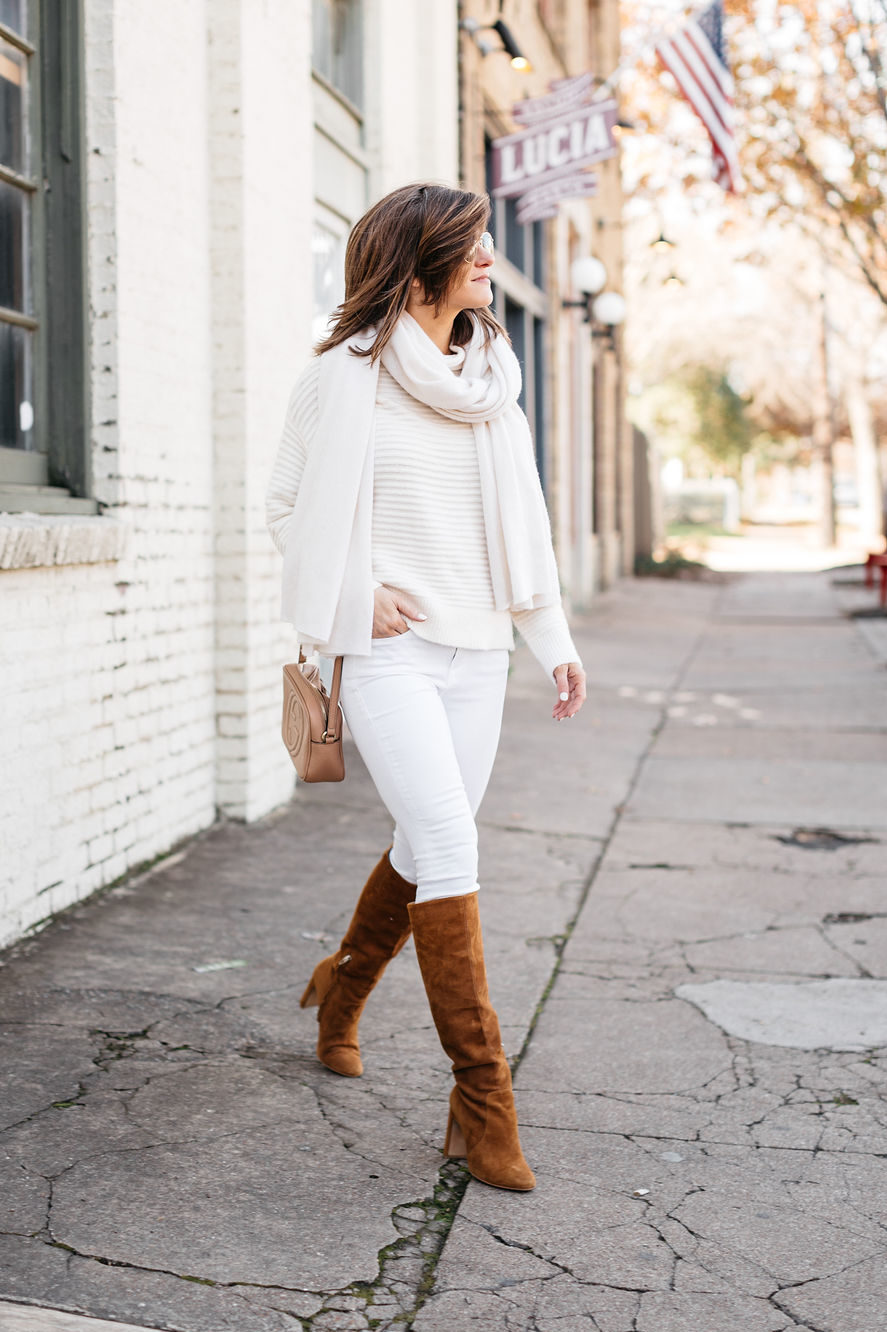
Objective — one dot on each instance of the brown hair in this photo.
(418, 231)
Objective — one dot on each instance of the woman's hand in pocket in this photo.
(391, 612)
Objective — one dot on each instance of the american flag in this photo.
(697, 57)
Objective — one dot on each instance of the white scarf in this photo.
(327, 570)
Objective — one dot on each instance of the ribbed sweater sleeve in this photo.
(547, 635)
(299, 426)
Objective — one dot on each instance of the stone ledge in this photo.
(34, 540)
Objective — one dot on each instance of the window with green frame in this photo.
(44, 462)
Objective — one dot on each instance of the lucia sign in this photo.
(546, 161)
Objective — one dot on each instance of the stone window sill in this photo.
(35, 540)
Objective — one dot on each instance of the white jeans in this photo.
(426, 721)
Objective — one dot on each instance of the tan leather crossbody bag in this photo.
(312, 721)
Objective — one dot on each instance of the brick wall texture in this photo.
(141, 694)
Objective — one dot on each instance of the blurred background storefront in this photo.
(176, 186)
(573, 365)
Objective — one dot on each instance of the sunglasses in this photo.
(486, 243)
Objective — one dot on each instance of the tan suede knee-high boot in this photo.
(342, 982)
(482, 1123)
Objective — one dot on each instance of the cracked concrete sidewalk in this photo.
(691, 976)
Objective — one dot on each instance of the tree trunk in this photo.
(824, 433)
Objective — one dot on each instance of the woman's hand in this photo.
(391, 610)
(570, 681)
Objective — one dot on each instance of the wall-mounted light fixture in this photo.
(473, 27)
(662, 242)
(604, 310)
(587, 275)
(623, 126)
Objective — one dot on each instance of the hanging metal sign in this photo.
(564, 133)
(542, 200)
(562, 94)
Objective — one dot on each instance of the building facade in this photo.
(176, 213)
(574, 391)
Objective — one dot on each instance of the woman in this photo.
(408, 509)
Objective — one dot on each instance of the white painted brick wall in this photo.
(261, 167)
(143, 693)
(108, 668)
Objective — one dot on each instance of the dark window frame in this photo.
(55, 475)
(521, 304)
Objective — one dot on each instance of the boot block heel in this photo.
(454, 1142)
(321, 980)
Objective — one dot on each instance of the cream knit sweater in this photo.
(428, 536)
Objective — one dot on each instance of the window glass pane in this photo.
(16, 390)
(13, 205)
(337, 45)
(538, 232)
(488, 164)
(13, 72)
(328, 253)
(515, 236)
(515, 324)
(12, 13)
